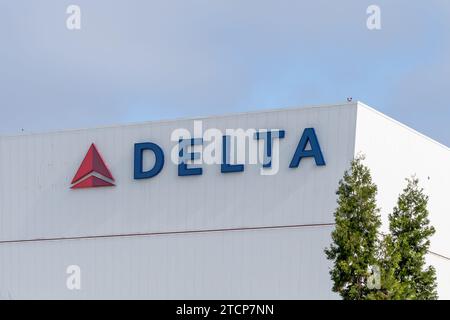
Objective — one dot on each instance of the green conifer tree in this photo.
(411, 231)
(354, 247)
(388, 258)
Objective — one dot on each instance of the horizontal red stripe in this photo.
(167, 233)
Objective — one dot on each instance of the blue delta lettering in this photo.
(308, 138)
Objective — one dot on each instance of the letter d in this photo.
(139, 149)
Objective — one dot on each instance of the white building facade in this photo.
(119, 222)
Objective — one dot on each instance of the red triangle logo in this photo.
(92, 163)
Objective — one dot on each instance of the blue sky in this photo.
(147, 60)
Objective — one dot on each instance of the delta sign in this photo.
(93, 171)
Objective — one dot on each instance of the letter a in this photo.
(308, 136)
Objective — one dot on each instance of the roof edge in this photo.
(165, 121)
(365, 106)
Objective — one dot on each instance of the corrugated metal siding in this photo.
(395, 152)
(37, 202)
(36, 172)
(263, 264)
